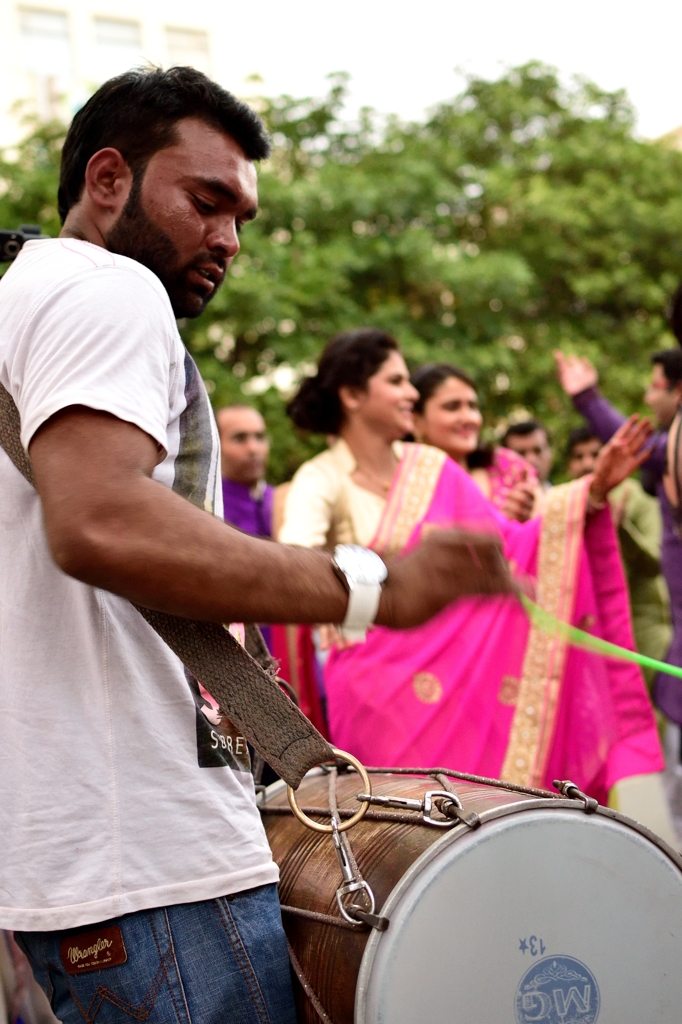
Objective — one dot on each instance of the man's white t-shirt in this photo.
(120, 788)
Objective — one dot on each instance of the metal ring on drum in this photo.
(343, 826)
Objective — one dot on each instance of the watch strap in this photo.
(363, 604)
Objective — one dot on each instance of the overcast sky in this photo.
(402, 57)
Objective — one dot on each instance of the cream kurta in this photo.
(324, 507)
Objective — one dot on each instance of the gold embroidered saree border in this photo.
(532, 729)
(409, 498)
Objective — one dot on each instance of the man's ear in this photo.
(108, 181)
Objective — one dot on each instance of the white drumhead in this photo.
(551, 916)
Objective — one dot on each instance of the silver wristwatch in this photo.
(364, 573)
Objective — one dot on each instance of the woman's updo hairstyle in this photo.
(427, 379)
(348, 360)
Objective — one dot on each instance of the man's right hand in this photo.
(576, 373)
(447, 565)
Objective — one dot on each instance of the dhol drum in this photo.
(491, 905)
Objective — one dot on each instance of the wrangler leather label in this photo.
(92, 950)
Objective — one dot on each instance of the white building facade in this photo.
(55, 54)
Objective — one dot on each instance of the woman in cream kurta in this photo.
(325, 507)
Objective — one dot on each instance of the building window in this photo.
(37, 24)
(118, 46)
(45, 36)
(188, 46)
(46, 56)
(112, 32)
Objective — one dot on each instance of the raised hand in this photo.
(576, 373)
(620, 457)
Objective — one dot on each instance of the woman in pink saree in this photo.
(476, 689)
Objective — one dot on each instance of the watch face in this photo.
(360, 564)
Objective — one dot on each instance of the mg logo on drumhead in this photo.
(558, 990)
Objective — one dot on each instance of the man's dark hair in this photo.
(671, 361)
(523, 429)
(136, 114)
(579, 435)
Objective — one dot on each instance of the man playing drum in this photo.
(135, 869)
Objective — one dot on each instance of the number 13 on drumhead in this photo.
(543, 913)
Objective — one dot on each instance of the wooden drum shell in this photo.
(329, 955)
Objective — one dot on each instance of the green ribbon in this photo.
(548, 623)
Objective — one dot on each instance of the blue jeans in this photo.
(221, 961)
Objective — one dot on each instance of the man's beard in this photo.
(137, 236)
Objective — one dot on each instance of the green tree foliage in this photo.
(519, 217)
(29, 175)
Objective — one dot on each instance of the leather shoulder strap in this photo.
(246, 692)
(10, 435)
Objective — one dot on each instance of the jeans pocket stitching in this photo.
(243, 960)
(102, 993)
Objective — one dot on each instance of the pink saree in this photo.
(479, 690)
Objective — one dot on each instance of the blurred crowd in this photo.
(406, 454)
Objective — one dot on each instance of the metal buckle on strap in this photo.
(447, 804)
(353, 882)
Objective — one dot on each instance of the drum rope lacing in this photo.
(451, 810)
(353, 916)
(445, 801)
(307, 987)
(441, 775)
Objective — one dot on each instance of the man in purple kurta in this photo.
(248, 508)
(579, 379)
(244, 449)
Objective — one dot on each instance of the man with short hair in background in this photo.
(248, 503)
(247, 498)
(244, 450)
(580, 380)
(637, 518)
(531, 440)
